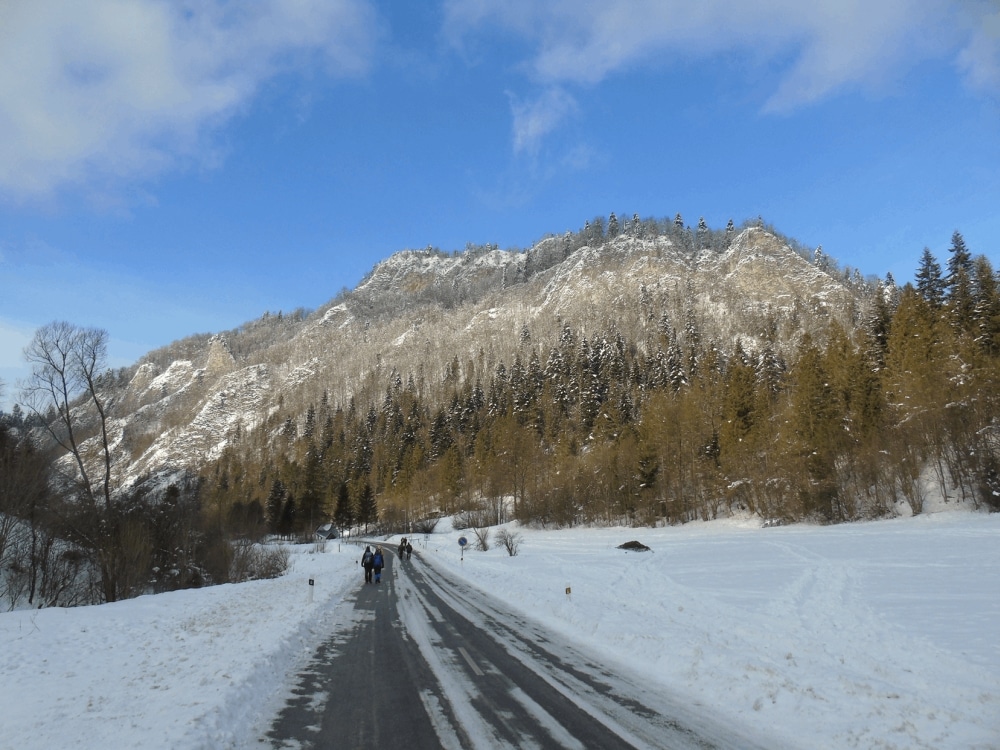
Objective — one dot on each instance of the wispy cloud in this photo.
(980, 58)
(13, 338)
(108, 90)
(536, 118)
(42, 283)
(816, 48)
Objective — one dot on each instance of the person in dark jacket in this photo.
(409, 550)
(368, 563)
(377, 562)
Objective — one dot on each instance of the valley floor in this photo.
(875, 635)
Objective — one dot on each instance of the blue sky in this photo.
(170, 167)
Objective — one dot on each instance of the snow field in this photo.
(876, 635)
(866, 635)
(187, 669)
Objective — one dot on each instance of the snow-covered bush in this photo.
(509, 540)
(256, 561)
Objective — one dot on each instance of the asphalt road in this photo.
(420, 662)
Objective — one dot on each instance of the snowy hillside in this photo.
(878, 635)
(418, 311)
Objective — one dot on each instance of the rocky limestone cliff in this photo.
(418, 312)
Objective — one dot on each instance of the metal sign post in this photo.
(462, 541)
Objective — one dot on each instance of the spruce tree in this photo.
(289, 517)
(961, 258)
(738, 405)
(930, 284)
(986, 306)
(612, 226)
(310, 423)
(958, 286)
(366, 503)
(702, 233)
(875, 327)
(275, 505)
(311, 510)
(344, 515)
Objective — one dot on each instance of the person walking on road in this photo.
(409, 550)
(368, 563)
(377, 562)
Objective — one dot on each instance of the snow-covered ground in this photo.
(877, 635)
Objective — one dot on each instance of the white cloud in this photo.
(13, 338)
(104, 90)
(980, 59)
(817, 48)
(533, 120)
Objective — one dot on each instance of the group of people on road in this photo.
(373, 562)
(405, 549)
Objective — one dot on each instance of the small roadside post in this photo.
(311, 582)
(462, 541)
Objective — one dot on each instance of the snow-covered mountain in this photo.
(423, 314)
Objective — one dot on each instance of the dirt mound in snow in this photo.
(634, 547)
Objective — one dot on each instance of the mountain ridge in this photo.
(417, 313)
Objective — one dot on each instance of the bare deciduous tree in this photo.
(482, 537)
(67, 362)
(510, 541)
